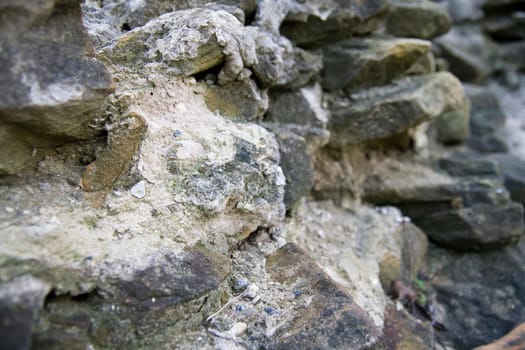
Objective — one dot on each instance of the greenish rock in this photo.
(331, 320)
(380, 112)
(296, 165)
(418, 19)
(51, 83)
(453, 127)
(21, 300)
(359, 63)
(241, 100)
(480, 295)
(314, 22)
(301, 107)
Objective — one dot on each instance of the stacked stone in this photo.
(221, 176)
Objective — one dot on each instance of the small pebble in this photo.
(117, 193)
(238, 329)
(251, 291)
(238, 309)
(500, 190)
(153, 300)
(176, 134)
(297, 293)
(240, 284)
(269, 310)
(9, 209)
(256, 300)
(139, 189)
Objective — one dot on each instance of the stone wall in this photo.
(260, 174)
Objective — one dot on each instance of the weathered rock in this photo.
(480, 296)
(21, 300)
(427, 19)
(50, 81)
(360, 247)
(512, 340)
(279, 63)
(462, 165)
(477, 226)
(359, 63)
(381, 112)
(469, 52)
(241, 100)
(401, 331)
(513, 172)
(467, 214)
(296, 165)
(188, 42)
(313, 22)
(332, 319)
(132, 15)
(302, 107)
(454, 127)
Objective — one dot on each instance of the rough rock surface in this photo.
(224, 175)
(381, 112)
(360, 63)
(51, 82)
(427, 19)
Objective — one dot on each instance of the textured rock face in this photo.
(51, 82)
(427, 19)
(381, 112)
(227, 178)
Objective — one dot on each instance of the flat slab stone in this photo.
(359, 63)
(384, 111)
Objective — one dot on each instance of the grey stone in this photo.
(302, 107)
(513, 172)
(132, 15)
(331, 320)
(487, 118)
(417, 18)
(296, 165)
(512, 54)
(480, 296)
(359, 63)
(50, 80)
(513, 338)
(279, 63)
(470, 54)
(468, 213)
(381, 112)
(188, 42)
(462, 165)
(465, 10)
(402, 331)
(314, 22)
(21, 300)
(475, 227)
(172, 280)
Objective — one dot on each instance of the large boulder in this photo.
(51, 82)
